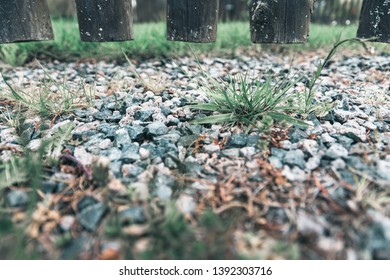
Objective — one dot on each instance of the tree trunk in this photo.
(105, 20)
(24, 20)
(192, 21)
(283, 21)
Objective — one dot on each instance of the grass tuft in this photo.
(49, 98)
(248, 100)
(254, 100)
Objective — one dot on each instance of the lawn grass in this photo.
(150, 42)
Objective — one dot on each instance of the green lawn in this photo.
(151, 42)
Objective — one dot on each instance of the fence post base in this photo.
(283, 21)
(375, 20)
(192, 21)
(105, 21)
(24, 20)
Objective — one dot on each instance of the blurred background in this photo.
(326, 11)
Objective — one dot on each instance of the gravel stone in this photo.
(383, 170)
(248, 152)
(17, 198)
(237, 141)
(233, 153)
(156, 129)
(187, 140)
(295, 158)
(336, 151)
(136, 132)
(132, 215)
(144, 115)
(295, 174)
(91, 216)
(211, 149)
(122, 137)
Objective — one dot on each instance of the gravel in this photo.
(157, 154)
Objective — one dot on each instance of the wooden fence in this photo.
(282, 21)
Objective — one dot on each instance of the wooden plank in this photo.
(280, 21)
(192, 21)
(105, 20)
(24, 20)
(375, 20)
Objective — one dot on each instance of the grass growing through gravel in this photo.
(253, 100)
(151, 42)
(248, 100)
(49, 98)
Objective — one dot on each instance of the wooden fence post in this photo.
(375, 20)
(192, 21)
(24, 20)
(282, 21)
(105, 20)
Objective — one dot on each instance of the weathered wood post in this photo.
(375, 20)
(105, 20)
(24, 20)
(281, 21)
(192, 21)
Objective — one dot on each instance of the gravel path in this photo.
(321, 192)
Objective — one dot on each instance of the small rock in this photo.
(136, 132)
(211, 149)
(286, 144)
(339, 164)
(296, 134)
(114, 154)
(186, 204)
(279, 153)
(309, 146)
(122, 137)
(130, 153)
(91, 216)
(234, 152)
(336, 151)
(295, 174)
(83, 156)
(116, 117)
(17, 198)
(144, 153)
(379, 239)
(163, 186)
(237, 141)
(105, 144)
(156, 129)
(170, 162)
(144, 115)
(383, 170)
(253, 141)
(276, 162)
(187, 140)
(248, 152)
(295, 158)
(131, 170)
(171, 137)
(102, 115)
(132, 215)
(345, 141)
(326, 138)
(67, 222)
(313, 162)
(370, 125)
